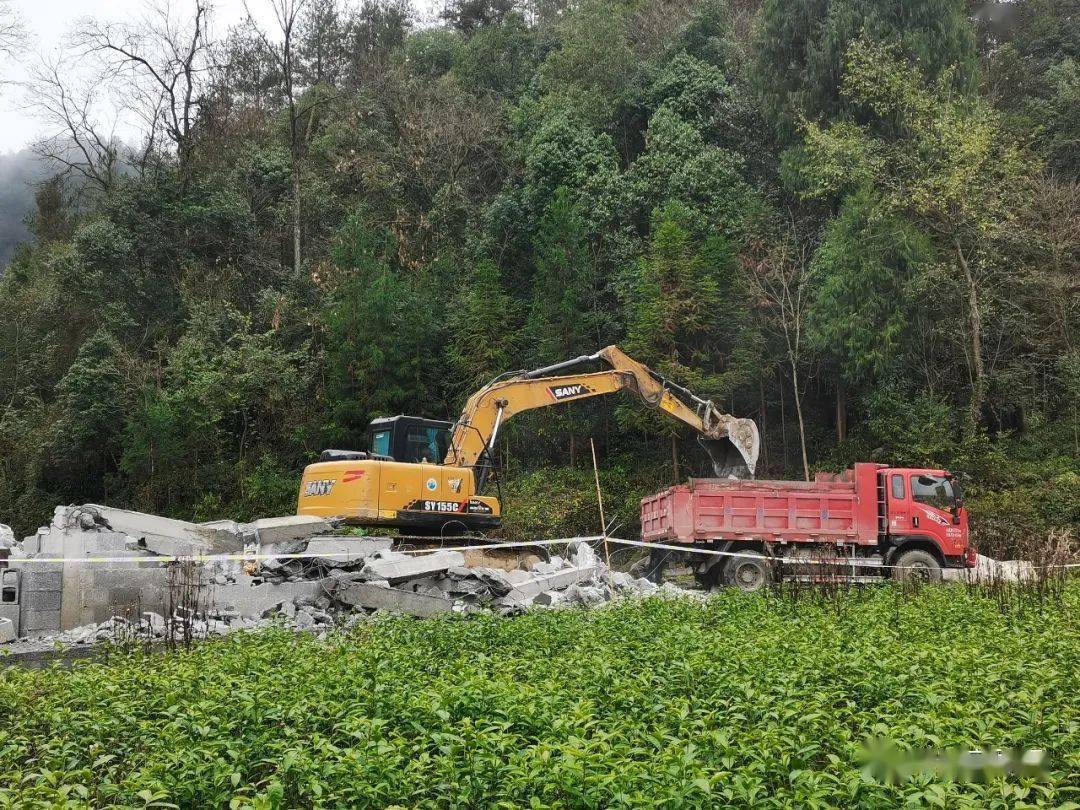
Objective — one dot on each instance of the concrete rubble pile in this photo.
(988, 570)
(384, 581)
(440, 582)
(92, 576)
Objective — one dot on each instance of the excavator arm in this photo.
(732, 444)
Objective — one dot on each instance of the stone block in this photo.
(288, 527)
(393, 569)
(40, 622)
(42, 600)
(378, 597)
(34, 580)
(7, 631)
(124, 597)
(346, 550)
(11, 613)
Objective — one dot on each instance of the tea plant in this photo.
(742, 701)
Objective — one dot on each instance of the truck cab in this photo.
(923, 508)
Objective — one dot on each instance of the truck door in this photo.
(899, 505)
(933, 503)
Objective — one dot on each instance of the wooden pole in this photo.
(600, 501)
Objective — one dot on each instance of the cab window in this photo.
(932, 491)
(425, 444)
(380, 443)
(898, 487)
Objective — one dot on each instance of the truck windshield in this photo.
(933, 491)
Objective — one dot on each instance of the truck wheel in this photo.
(917, 565)
(658, 560)
(748, 574)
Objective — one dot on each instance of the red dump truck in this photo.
(863, 521)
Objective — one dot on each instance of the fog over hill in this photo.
(20, 172)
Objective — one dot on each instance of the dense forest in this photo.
(855, 221)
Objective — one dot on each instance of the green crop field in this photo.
(744, 700)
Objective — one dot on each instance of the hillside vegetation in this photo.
(856, 222)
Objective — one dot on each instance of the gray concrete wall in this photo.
(41, 585)
(10, 597)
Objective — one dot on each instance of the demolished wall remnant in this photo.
(99, 573)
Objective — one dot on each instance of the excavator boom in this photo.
(732, 443)
(428, 476)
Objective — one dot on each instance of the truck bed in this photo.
(829, 509)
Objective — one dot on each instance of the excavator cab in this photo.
(412, 439)
(402, 480)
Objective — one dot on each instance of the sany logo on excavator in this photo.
(561, 392)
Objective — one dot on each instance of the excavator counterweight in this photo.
(424, 475)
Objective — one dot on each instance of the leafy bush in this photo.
(561, 501)
(762, 700)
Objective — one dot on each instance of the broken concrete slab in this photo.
(304, 620)
(583, 556)
(7, 631)
(988, 569)
(248, 599)
(393, 569)
(288, 527)
(174, 538)
(549, 567)
(549, 598)
(587, 595)
(364, 594)
(564, 578)
(347, 550)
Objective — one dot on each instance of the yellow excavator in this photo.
(428, 476)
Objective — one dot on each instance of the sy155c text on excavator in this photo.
(425, 475)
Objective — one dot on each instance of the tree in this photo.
(945, 163)
(51, 220)
(801, 47)
(163, 61)
(860, 305)
(781, 279)
(92, 402)
(287, 13)
(470, 16)
(380, 340)
(566, 316)
(482, 335)
(12, 32)
(676, 303)
(79, 144)
(1033, 73)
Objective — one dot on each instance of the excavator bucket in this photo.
(734, 455)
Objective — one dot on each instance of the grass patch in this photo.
(761, 700)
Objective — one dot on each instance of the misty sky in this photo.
(50, 21)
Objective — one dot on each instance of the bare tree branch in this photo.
(12, 32)
(164, 60)
(79, 144)
(287, 13)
